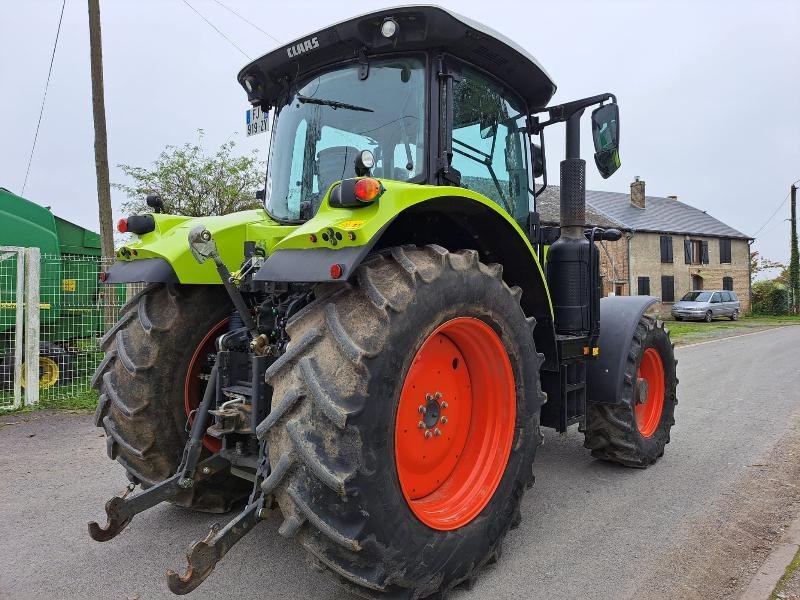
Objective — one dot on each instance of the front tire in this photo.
(341, 416)
(709, 317)
(635, 431)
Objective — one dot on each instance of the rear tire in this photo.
(334, 425)
(735, 315)
(141, 385)
(614, 432)
(709, 317)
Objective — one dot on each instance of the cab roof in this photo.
(418, 28)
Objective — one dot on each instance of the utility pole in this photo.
(100, 142)
(794, 260)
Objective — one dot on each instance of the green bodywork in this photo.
(69, 268)
(169, 240)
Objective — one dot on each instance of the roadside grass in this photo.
(684, 332)
(794, 567)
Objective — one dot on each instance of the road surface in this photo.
(692, 526)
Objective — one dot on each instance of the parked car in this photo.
(707, 305)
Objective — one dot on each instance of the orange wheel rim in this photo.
(195, 385)
(455, 423)
(649, 392)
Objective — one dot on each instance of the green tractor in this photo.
(374, 354)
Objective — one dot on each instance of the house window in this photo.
(644, 286)
(695, 252)
(727, 283)
(724, 251)
(666, 248)
(667, 288)
(697, 282)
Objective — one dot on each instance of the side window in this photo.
(727, 284)
(726, 297)
(644, 286)
(295, 188)
(667, 288)
(490, 143)
(724, 250)
(715, 298)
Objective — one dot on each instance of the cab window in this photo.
(490, 143)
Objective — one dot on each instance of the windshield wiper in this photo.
(332, 103)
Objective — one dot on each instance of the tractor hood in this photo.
(415, 28)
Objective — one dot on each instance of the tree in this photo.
(196, 184)
(759, 264)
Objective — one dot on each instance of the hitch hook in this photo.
(204, 555)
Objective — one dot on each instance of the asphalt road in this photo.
(589, 530)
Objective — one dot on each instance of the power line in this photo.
(44, 98)
(780, 206)
(230, 41)
(266, 33)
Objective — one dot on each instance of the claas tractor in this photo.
(372, 355)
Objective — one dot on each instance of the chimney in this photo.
(637, 192)
(672, 197)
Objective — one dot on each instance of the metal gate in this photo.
(19, 326)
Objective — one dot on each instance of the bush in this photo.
(770, 298)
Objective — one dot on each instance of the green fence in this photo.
(75, 310)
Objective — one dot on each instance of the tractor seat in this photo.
(335, 163)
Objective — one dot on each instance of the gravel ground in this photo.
(693, 526)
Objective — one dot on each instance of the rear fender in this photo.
(619, 316)
(452, 217)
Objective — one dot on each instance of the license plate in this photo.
(257, 121)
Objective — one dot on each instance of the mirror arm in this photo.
(563, 112)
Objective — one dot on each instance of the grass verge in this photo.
(793, 568)
(686, 332)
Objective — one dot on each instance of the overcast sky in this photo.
(709, 92)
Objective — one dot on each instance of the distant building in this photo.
(668, 247)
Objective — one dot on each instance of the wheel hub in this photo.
(432, 410)
(641, 390)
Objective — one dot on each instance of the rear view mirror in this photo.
(605, 134)
(538, 160)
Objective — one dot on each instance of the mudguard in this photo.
(150, 270)
(619, 316)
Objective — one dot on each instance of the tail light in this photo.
(352, 193)
(122, 225)
(367, 189)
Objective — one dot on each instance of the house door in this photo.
(697, 282)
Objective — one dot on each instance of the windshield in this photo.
(697, 297)
(332, 118)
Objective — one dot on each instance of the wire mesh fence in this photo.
(75, 310)
(11, 331)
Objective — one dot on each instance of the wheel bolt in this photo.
(428, 397)
(421, 424)
(437, 395)
(428, 434)
(443, 420)
(422, 410)
(444, 404)
(437, 431)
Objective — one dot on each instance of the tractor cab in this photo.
(415, 94)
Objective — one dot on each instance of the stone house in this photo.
(667, 249)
